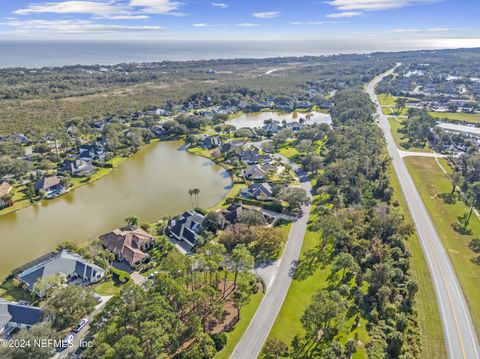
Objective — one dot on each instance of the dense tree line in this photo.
(362, 236)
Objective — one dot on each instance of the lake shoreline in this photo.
(150, 186)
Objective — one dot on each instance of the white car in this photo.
(68, 340)
(80, 325)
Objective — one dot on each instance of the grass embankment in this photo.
(21, 200)
(9, 291)
(299, 296)
(457, 116)
(401, 140)
(246, 315)
(431, 183)
(431, 334)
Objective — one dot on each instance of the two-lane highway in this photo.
(460, 337)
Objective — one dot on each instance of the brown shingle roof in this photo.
(128, 242)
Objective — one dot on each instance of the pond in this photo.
(154, 183)
(256, 119)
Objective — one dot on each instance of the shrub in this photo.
(121, 275)
(220, 340)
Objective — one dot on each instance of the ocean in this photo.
(34, 54)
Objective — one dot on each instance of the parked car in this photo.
(80, 325)
(67, 340)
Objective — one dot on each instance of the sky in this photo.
(454, 21)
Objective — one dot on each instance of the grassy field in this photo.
(400, 140)
(455, 116)
(431, 183)
(392, 111)
(108, 287)
(389, 100)
(289, 152)
(10, 292)
(428, 315)
(246, 315)
(299, 295)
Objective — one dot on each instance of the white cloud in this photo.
(313, 22)
(99, 9)
(435, 29)
(157, 6)
(111, 9)
(266, 14)
(345, 14)
(74, 26)
(247, 24)
(375, 5)
(219, 5)
(202, 24)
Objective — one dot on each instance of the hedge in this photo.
(122, 276)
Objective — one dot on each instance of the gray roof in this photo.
(64, 262)
(17, 313)
(47, 182)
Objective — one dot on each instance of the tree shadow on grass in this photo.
(311, 261)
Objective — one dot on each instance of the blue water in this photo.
(59, 53)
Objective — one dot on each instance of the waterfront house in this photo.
(296, 126)
(5, 189)
(52, 185)
(66, 263)
(77, 167)
(159, 131)
(92, 152)
(17, 316)
(272, 128)
(255, 173)
(128, 244)
(210, 142)
(186, 227)
(259, 191)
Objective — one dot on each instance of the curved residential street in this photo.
(254, 337)
(459, 333)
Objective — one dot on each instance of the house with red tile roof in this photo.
(128, 243)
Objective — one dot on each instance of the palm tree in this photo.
(196, 192)
(191, 192)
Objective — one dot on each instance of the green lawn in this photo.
(389, 100)
(246, 315)
(431, 182)
(289, 152)
(455, 116)
(108, 287)
(231, 194)
(299, 296)
(391, 111)
(431, 334)
(400, 140)
(10, 292)
(19, 200)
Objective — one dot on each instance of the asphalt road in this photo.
(254, 337)
(459, 334)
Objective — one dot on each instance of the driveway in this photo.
(80, 337)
